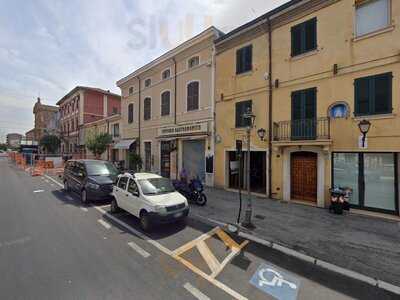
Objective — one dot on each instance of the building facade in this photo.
(46, 120)
(110, 125)
(325, 78)
(167, 110)
(81, 106)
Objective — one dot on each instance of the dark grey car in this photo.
(91, 179)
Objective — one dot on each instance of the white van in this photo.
(149, 197)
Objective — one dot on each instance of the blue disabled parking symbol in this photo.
(276, 282)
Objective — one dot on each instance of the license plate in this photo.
(177, 215)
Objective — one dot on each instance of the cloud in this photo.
(48, 47)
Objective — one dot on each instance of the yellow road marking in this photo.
(208, 256)
(194, 242)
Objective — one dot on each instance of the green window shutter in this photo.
(362, 96)
(310, 28)
(239, 61)
(248, 58)
(382, 94)
(297, 112)
(310, 103)
(296, 39)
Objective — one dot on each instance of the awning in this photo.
(124, 144)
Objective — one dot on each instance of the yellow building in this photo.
(167, 110)
(333, 65)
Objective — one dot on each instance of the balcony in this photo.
(303, 130)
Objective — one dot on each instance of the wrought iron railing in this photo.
(304, 129)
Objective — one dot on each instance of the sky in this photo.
(47, 47)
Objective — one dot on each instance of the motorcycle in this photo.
(192, 191)
(339, 200)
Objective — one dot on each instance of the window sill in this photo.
(244, 74)
(374, 33)
(375, 117)
(303, 55)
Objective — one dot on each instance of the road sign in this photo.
(276, 282)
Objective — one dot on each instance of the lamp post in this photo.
(250, 117)
(364, 127)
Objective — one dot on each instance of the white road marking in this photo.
(104, 223)
(195, 292)
(38, 191)
(55, 181)
(138, 249)
(84, 208)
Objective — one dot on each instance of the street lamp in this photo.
(364, 127)
(261, 133)
(250, 117)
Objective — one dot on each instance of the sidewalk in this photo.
(368, 245)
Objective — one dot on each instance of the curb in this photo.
(320, 263)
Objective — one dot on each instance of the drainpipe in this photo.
(175, 121)
(269, 108)
(139, 123)
(213, 108)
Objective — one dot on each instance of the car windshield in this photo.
(100, 168)
(156, 186)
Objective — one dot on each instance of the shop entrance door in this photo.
(165, 159)
(193, 160)
(303, 176)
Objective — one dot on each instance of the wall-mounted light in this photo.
(261, 133)
(364, 127)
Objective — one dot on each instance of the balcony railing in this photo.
(304, 129)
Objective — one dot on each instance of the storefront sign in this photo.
(183, 130)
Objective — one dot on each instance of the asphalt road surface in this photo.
(51, 247)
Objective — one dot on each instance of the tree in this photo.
(50, 143)
(135, 162)
(3, 147)
(97, 143)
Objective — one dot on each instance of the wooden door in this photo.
(304, 176)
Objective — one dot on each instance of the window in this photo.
(194, 61)
(193, 96)
(115, 130)
(244, 59)
(147, 82)
(242, 108)
(122, 182)
(132, 187)
(304, 37)
(147, 109)
(166, 74)
(147, 156)
(165, 103)
(372, 16)
(373, 95)
(114, 110)
(131, 90)
(130, 113)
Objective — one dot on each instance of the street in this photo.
(51, 247)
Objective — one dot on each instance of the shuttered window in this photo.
(242, 108)
(165, 103)
(147, 109)
(130, 113)
(373, 95)
(304, 37)
(244, 59)
(193, 96)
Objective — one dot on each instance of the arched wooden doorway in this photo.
(304, 176)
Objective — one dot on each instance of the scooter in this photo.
(192, 191)
(339, 200)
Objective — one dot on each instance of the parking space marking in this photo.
(195, 292)
(138, 249)
(38, 191)
(104, 223)
(84, 209)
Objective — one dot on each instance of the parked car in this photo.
(149, 197)
(91, 179)
(3, 153)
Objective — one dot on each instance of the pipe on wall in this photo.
(270, 98)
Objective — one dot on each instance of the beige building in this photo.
(111, 125)
(167, 110)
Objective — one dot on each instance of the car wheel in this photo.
(145, 221)
(66, 186)
(114, 206)
(84, 198)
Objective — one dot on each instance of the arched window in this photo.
(166, 74)
(192, 96)
(147, 82)
(165, 103)
(147, 109)
(130, 113)
(194, 61)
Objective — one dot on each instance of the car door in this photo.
(71, 175)
(120, 192)
(133, 203)
(80, 176)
